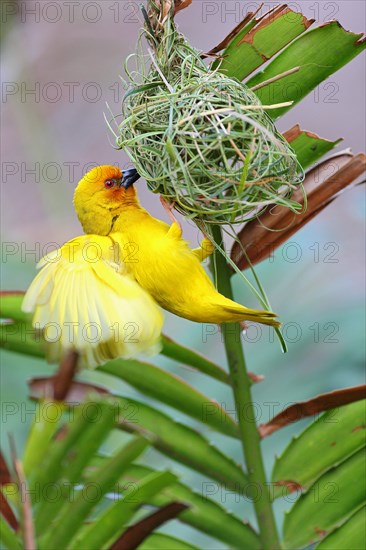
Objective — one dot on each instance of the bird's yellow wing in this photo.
(83, 298)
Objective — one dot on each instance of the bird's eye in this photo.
(109, 183)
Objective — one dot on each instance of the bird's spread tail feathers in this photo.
(241, 313)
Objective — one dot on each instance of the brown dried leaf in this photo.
(233, 33)
(268, 18)
(137, 533)
(290, 485)
(318, 404)
(181, 5)
(28, 531)
(5, 476)
(246, 33)
(296, 131)
(63, 378)
(5, 508)
(256, 236)
(43, 388)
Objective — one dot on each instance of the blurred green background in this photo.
(60, 65)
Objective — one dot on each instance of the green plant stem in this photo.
(245, 411)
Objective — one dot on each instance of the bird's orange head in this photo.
(102, 194)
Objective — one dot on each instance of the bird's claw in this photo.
(168, 206)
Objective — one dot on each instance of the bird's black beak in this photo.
(129, 177)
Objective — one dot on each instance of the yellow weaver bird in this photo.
(155, 254)
(85, 298)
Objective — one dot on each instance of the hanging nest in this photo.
(200, 139)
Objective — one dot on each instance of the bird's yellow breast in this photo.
(165, 266)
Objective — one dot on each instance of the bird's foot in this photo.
(168, 206)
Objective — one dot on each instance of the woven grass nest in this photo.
(203, 140)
